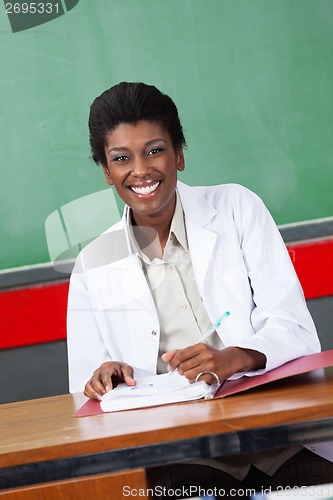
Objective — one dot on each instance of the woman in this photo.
(177, 260)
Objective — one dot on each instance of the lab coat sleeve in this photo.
(86, 349)
(284, 329)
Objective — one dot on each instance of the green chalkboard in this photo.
(253, 81)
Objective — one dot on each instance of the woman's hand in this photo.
(225, 362)
(106, 377)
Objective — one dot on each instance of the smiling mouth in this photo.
(148, 188)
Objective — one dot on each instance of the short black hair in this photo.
(129, 102)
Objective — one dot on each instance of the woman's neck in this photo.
(159, 223)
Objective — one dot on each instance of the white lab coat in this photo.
(240, 263)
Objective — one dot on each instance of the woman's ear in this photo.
(107, 174)
(181, 160)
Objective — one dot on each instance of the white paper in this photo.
(152, 391)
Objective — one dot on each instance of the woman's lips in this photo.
(145, 188)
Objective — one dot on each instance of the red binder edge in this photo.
(295, 367)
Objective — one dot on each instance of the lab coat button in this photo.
(153, 332)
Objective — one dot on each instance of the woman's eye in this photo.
(120, 158)
(154, 151)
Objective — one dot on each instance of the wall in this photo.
(253, 83)
(252, 79)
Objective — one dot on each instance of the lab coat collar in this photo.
(198, 214)
(195, 205)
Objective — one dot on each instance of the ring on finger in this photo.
(210, 373)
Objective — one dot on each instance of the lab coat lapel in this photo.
(198, 212)
(134, 284)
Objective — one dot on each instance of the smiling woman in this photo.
(142, 164)
(192, 253)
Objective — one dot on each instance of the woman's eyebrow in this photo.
(155, 140)
(119, 148)
(124, 148)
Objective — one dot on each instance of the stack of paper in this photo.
(153, 391)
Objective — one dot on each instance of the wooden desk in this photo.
(41, 442)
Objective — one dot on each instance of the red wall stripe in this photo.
(33, 315)
(38, 314)
(313, 262)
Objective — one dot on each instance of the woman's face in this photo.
(142, 165)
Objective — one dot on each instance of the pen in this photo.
(213, 327)
(210, 330)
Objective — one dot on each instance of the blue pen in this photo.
(210, 330)
(213, 327)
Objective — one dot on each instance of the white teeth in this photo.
(146, 189)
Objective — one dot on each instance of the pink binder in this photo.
(295, 367)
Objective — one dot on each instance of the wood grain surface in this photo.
(99, 486)
(43, 429)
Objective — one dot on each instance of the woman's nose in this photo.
(140, 168)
